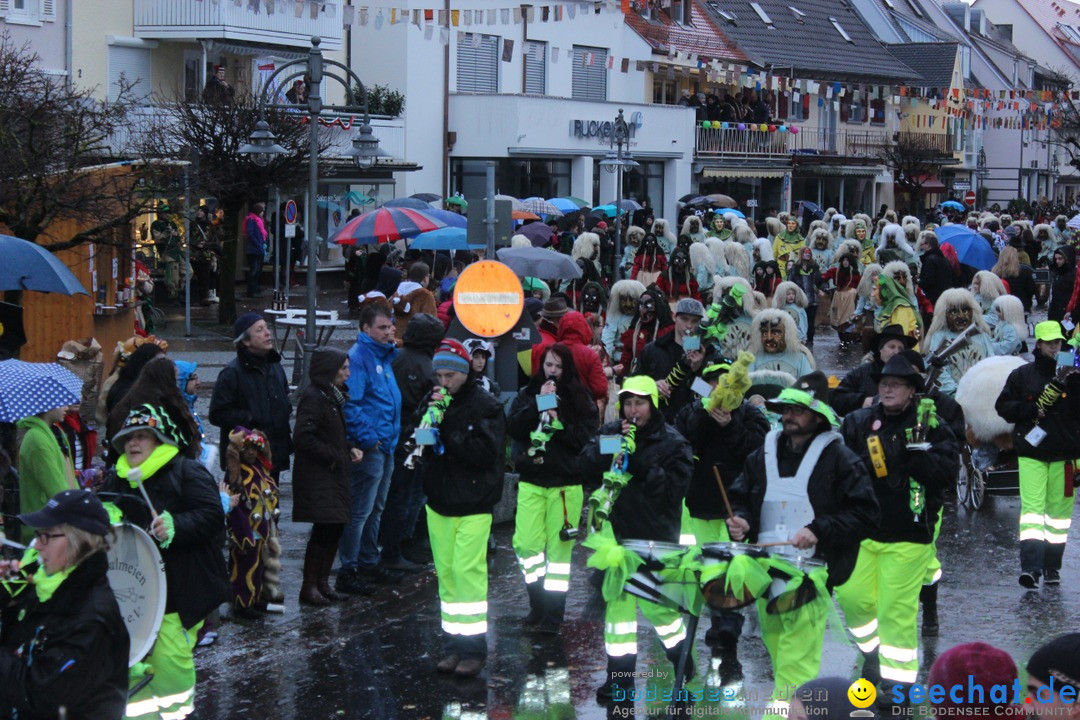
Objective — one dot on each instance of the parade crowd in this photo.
(672, 419)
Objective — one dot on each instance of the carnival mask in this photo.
(695, 225)
(860, 233)
(649, 244)
(627, 304)
(679, 260)
(792, 225)
(821, 242)
(647, 308)
(958, 318)
(591, 300)
(772, 336)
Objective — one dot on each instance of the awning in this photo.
(930, 183)
(866, 171)
(742, 173)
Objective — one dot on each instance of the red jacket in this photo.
(635, 339)
(547, 339)
(658, 264)
(576, 333)
(683, 290)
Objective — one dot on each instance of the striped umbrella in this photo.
(540, 206)
(386, 224)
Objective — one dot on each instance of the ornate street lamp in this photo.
(617, 161)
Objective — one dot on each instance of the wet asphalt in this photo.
(373, 657)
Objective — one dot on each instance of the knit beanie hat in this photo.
(451, 355)
(985, 664)
(1057, 660)
(243, 323)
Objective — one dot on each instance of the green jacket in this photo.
(43, 468)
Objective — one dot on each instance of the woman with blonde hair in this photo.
(1021, 282)
(987, 287)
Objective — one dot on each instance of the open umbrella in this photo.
(407, 202)
(539, 234)
(540, 206)
(515, 204)
(523, 215)
(1074, 223)
(953, 205)
(427, 197)
(30, 388)
(716, 201)
(688, 197)
(733, 211)
(386, 224)
(452, 219)
(627, 205)
(569, 203)
(29, 266)
(605, 210)
(813, 208)
(971, 247)
(539, 262)
(447, 238)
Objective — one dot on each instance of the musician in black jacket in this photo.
(859, 387)
(648, 507)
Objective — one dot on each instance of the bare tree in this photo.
(52, 135)
(209, 135)
(914, 158)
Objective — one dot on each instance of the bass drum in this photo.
(137, 577)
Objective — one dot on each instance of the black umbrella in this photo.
(539, 262)
(427, 197)
(538, 233)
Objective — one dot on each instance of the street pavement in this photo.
(374, 657)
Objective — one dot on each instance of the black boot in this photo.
(673, 654)
(620, 680)
(928, 599)
(725, 631)
(309, 591)
(554, 611)
(536, 603)
(326, 564)
(871, 668)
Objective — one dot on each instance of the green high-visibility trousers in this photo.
(171, 694)
(686, 528)
(541, 515)
(459, 548)
(794, 640)
(933, 568)
(1045, 514)
(620, 625)
(881, 604)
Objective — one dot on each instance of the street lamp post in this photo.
(617, 161)
(263, 146)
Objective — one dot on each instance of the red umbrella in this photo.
(386, 224)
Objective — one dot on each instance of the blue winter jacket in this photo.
(254, 235)
(373, 412)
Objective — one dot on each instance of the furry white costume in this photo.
(762, 250)
(836, 226)
(520, 241)
(796, 309)
(716, 249)
(665, 237)
(624, 296)
(1010, 331)
(738, 258)
(693, 228)
(795, 359)
(911, 220)
(1048, 240)
(820, 243)
(894, 245)
(987, 287)
(738, 334)
(774, 227)
(634, 236)
(703, 266)
(977, 394)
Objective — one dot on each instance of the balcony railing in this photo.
(842, 143)
(733, 142)
(941, 144)
(224, 20)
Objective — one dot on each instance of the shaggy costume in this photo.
(737, 336)
(254, 548)
(794, 359)
(979, 346)
(624, 297)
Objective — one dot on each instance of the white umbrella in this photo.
(1074, 223)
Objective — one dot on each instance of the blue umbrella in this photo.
(971, 247)
(407, 202)
(952, 204)
(29, 266)
(814, 208)
(725, 211)
(608, 210)
(30, 388)
(452, 219)
(447, 238)
(565, 204)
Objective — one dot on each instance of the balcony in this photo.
(188, 20)
(733, 143)
(940, 144)
(844, 143)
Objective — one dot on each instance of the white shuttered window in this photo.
(478, 67)
(131, 63)
(535, 67)
(590, 73)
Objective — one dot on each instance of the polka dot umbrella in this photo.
(30, 388)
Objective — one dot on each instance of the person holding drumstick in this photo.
(806, 491)
(177, 499)
(63, 644)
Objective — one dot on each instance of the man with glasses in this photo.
(808, 491)
(911, 458)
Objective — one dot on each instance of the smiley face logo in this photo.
(862, 693)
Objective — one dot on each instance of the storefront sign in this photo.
(596, 128)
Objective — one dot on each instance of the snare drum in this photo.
(648, 582)
(791, 586)
(719, 595)
(137, 577)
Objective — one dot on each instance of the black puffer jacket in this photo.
(657, 361)
(559, 464)
(935, 469)
(322, 465)
(725, 448)
(1017, 404)
(650, 506)
(252, 392)
(412, 368)
(467, 479)
(195, 572)
(1061, 283)
(79, 658)
(839, 490)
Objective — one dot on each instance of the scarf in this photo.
(892, 296)
(158, 459)
(339, 397)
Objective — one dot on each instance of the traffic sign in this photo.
(969, 197)
(290, 212)
(961, 185)
(488, 298)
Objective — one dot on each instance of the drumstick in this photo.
(773, 544)
(11, 544)
(135, 475)
(723, 493)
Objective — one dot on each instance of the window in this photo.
(665, 92)
(590, 73)
(520, 177)
(30, 12)
(800, 16)
(763, 15)
(131, 66)
(800, 105)
(915, 7)
(680, 11)
(723, 13)
(853, 107)
(840, 29)
(535, 67)
(645, 183)
(478, 64)
(778, 104)
(877, 111)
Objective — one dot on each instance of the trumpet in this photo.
(602, 501)
(429, 426)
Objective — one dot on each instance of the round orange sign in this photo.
(488, 298)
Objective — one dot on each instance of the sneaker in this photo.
(208, 639)
(1029, 580)
(1051, 577)
(379, 574)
